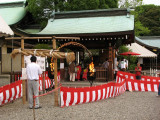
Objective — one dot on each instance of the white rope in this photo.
(50, 52)
(19, 51)
(35, 52)
(66, 54)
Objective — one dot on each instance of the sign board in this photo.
(24, 74)
(40, 61)
(140, 60)
(61, 65)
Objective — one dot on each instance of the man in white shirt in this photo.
(33, 71)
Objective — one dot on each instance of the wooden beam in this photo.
(55, 74)
(19, 43)
(35, 38)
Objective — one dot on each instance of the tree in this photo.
(140, 30)
(149, 17)
(74, 5)
(42, 46)
(131, 59)
(42, 10)
(129, 3)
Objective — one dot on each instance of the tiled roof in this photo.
(89, 25)
(12, 14)
(5, 30)
(11, 1)
(150, 41)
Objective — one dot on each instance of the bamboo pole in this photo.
(43, 82)
(23, 81)
(55, 74)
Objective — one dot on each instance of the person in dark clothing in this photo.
(71, 70)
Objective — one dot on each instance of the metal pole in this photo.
(153, 66)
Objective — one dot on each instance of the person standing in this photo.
(71, 70)
(123, 65)
(138, 70)
(116, 68)
(33, 71)
(106, 66)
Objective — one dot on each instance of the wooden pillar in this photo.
(114, 56)
(43, 82)
(23, 81)
(55, 74)
(110, 70)
(62, 70)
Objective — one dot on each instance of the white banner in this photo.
(24, 74)
(61, 65)
(40, 61)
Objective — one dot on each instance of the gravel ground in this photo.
(128, 106)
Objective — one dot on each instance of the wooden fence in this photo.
(15, 76)
(101, 74)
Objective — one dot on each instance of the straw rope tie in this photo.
(60, 55)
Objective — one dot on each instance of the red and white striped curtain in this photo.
(72, 96)
(14, 90)
(10, 92)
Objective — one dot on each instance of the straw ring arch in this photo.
(75, 44)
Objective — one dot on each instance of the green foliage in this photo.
(132, 62)
(140, 30)
(131, 59)
(74, 5)
(129, 3)
(42, 46)
(123, 49)
(147, 18)
(42, 10)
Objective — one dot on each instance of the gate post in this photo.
(23, 81)
(110, 70)
(55, 73)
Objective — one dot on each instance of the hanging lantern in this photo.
(52, 64)
(91, 68)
